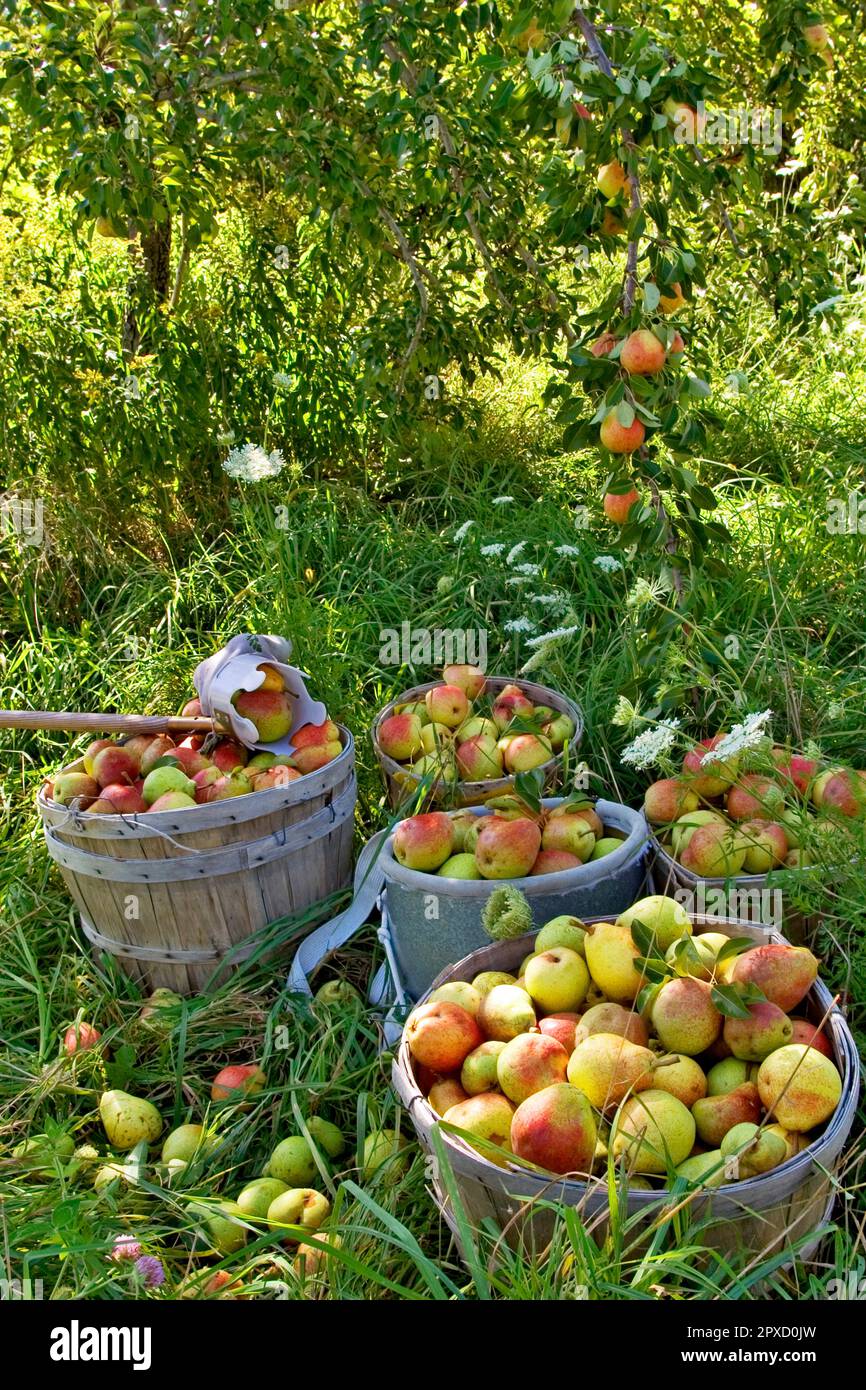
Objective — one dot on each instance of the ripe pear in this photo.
(794, 1143)
(611, 955)
(292, 1162)
(664, 917)
(685, 1017)
(128, 1120)
(257, 1196)
(799, 1086)
(489, 979)
(695, 955)
(754, 1038)
(685, 826)
(715, 1115)
(562, 931)
(784, 974)
(681, 1077)
(224, 1224)
(506, 1011)
(755, 1150)
(327, 1135)
(726, 1076)
(654, 1131)
(383, 1158)
(612, 1018)
(704, 1170)
(186, 1141)
(606, 1067)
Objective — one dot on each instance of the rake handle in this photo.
(78, 722)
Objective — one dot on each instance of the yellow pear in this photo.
(128, 1120)
(654, 1131)
(606, 1066)
(611, 955)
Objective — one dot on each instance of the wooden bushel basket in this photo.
(400, 782)
(172, 893)
(759, 1216)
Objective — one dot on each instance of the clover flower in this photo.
(125, 1248)
(150, 1271)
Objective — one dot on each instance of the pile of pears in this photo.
(679, 1057)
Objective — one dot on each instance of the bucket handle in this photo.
(333, 934)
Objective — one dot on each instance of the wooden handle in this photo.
(78, 722)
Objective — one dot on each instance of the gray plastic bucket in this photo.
(436, 921)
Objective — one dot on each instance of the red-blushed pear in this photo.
(488, 1117)
(443, 1094)
(715, 1115)
(558, 731)
(617, 505)
(114, 764)
(509, 704)
(842, 792)
(802, 1031)
(710, 778)
(272, 678)
(506, 1010)
(192, 709)
(136, 746)
(766, 845)
(507, 848)
(441, 1035)
(755, 797)
(157, 748)
(447, 704)
(673, 300)
(714, 851)
(754, 1038)
(79, 1037)
(612, 1018)
(91, 751)
(604, 345)
(424, 842)
(799, 770)
(592, 818)
(478, 1073)
(677, 346)
(399, 737)
(553, 861)
(238, 1080)
(611, 179)
(274, 777)
(235, 784)
(563, 1027)
(621, 439)
(312, 759)
(784, 974)
(172, 801)
(611, 225)
(316, 735)
(642, 354)
(229, 754)
(571, 833)
(667, 799)
(123, 799)
(555, 1129)
(557, 980)
(470, 679)
(269, 711)
(528, 1063)
(527, 751)
(817, 37)
(606, 1067)
(479, 759)
(203, 781)
(685, 826)
(189, 760)
(685, 1017)
(799, 1087)
(687, 123)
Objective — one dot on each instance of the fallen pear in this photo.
(186, 1142)
(128, 1120)
(223, 1222)
(255, 1199)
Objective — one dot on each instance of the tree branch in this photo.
(414, 269)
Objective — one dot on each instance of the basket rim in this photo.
(394, 769)
(561, 881)
(846, 1058)
(211, 816)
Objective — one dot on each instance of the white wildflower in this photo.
(249, 463)
(750, 734)
(514, 552)
(625, 714)
(559, 634)
(608, 563)
(495, 548)
(502, 501)
(567, 551)
(645, 591)
(555, 602)
(530, 570)
(651, 745)
(515, 581)
(520, 625)
(836, 711)
(226, 438)
(282, 381)
(538, 658)
(463, 531)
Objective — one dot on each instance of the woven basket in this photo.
(761, 1216)
(400, 782)
(171, 894)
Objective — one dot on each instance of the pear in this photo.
(606, 1067)
(327, 1136)
(127, 1120)
(715, 1115)
(685, 1017)
(224, 1225)
(795, 1143)
(186, 1142)
(258, 1195)
(611, 954)
(799, 1086)
(754, 1038)
(695, 955)
(664, 917)
(612, 1018)
(705, 1170)
(783, 974)
(727, 1075)
(506, 1011)
(753, 1150)
(292, 1162)
(39, 1155)
(654, 1131)
(562, 931)
(680, 1076)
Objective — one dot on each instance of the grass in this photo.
(117, 617)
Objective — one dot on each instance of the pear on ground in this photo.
(128, 1120)
(606, 1067)
(654, 1131)
(254, 1199)
(292, 1162)
(186, 1142)
(327, 1135)
(223, 1222)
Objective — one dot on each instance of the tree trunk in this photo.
(156, 255)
